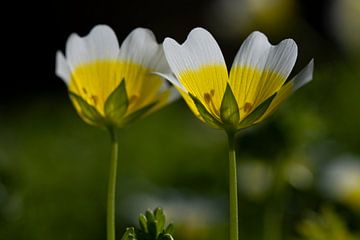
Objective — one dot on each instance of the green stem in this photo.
(112, 187)
(233, 196)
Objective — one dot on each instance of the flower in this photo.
(111, 85)
(252, 91)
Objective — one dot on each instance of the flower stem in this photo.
(233, 196)
(112, 186)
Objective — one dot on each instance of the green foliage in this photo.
(325, 226)
(152, 227)
(129, 234)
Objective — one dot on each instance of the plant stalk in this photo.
(112, 186)
(233, 196)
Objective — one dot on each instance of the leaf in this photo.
(129, 234)
(229, 109)
(165, 237)
(208, 118)
(143, 223)
(160, 218)
(117, 104)
(87, 112)
(170, 229)
(152, 227)
(257, 113)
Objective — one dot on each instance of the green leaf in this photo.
(170, 229)
(143, 223)
(152, 229)
(151, 224)
(129, 234)
(229, 110)
(87, 112)
(139, 113)
(117, 104)
(160, 218)
(208, 118)
(257, 113)
(165, 237)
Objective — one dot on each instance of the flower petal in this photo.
(199, 66)
(303, 77)
(100, 44)
(171, 78)
(141, 47)
(62, 68)
(260, 69)
(142, 55)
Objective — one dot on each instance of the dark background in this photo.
(37, 30)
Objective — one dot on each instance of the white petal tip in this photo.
(198, 30)
(62, 69)
(101, 29)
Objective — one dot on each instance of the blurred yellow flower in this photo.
(111, 85)
(252, 91)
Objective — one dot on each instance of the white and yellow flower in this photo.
(254, 88)
(112, 85)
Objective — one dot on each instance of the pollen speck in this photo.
(207, 97)
(95, 99)
(132, 99)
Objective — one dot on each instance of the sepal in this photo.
(87, 112)
(116, 105)
(229, 110)
(257, 113)
(206, 116)
(138, 113)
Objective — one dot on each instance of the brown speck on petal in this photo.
(132, 99)
(247, 107)
(95, 99)
(207, 97)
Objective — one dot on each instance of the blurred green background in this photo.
(299, 172)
